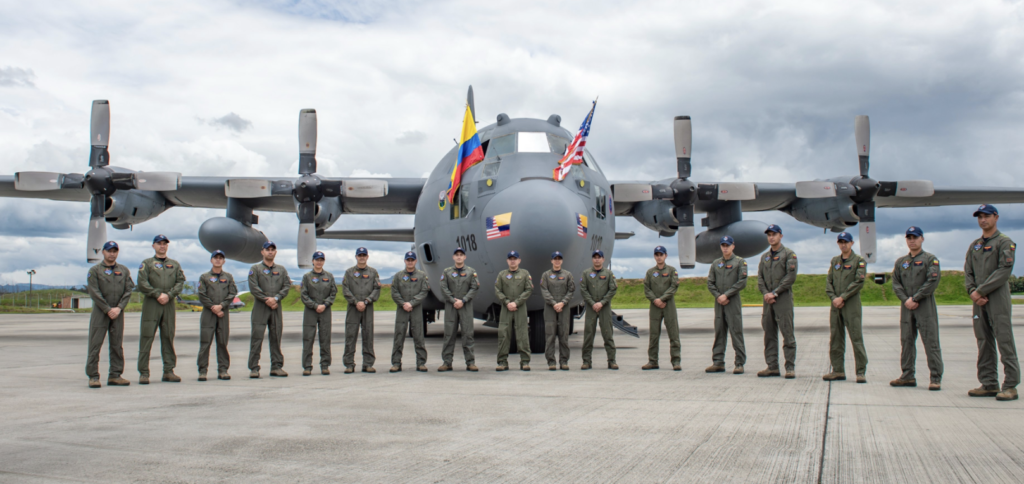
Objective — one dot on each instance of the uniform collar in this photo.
(317, 273)
(411, 273)
(265, 264)
(985, 240)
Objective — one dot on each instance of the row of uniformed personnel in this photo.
(915, 277)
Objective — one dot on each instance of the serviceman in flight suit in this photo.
(269, 284)
(914, 279)
(160, 281)
(557, 287)
(513, 287)
(317, 294)
(110, 287)
(845, 279)
(361, 287)
(598, 288)
(726, 279)
(459, 284)
(409, 288)
(660, 285)
(986, 274)
(776, 274)
(216, 291)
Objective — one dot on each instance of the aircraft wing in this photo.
(208, 192)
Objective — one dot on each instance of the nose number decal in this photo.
(467, 242)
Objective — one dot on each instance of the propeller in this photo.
(683, 192)
(101, 180)
(863, 190)
(307, 190)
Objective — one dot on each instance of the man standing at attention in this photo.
(660, 285)
(361, 287)
(160, 281)
(269, 285)
(459, 284)
(776, 274)
(110, 287)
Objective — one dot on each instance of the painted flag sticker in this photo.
(499, 226)
(581, 225)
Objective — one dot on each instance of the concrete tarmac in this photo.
(540, 426)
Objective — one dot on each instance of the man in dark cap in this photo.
(216, 292)
(557, 286)
(459, 284)
(269, 284)
(846, 274)
(726, 279)
(660, 285)
(317, 294)
(914, 279)
(161, 280)
(361, 287)
(598, 287)
(409, 288)
(776, 274)
(513, 287)
(110, 287)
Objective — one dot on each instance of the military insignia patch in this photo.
(405, 278)
(266, 271)
(775, 258)
(366, 276)
(1013, 246)
(919, 263)
(356, 273)
(656, 274)
(508, 276)
(108, 272)
(414, 279)
(250, 272)
(720, 264)
(988, 248)
(848, 266)
(552, 276)
(213, 279)
(977, 247)
(604, 277)
(592, 275)
(142, 265)
(169, 266)
(223, 280)
(158, 265)
(276, 273)
(767, 258)
(316, 280)
(88, 275)
(862, 264)
(117, 273)
(935, 262)
(728, 267)
(561, 278)
(906, 265)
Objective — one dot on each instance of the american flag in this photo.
(574, 152)
(581, 225)
(499, 226)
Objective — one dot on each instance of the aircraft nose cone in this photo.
(543, 220)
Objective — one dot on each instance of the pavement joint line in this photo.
(824, 433)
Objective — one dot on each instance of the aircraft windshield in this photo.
(525, 142)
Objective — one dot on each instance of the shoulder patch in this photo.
(142, 265)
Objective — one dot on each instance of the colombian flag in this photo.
(470, 153)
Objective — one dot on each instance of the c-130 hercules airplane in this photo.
(509, 201)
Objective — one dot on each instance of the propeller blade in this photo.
(862, 132)
(97, 229)
(158, 181)
(470, 101)
(868, 242)
(247, 188)
(631, 192)
(687, 247)
(36, 181)
(683, 134)
(307, 234)
(815, 189)
(727, 191)
(365, 188)
(906, 188)
(99, 133)
(307, 141)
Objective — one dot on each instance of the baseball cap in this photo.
(773, 228)
(319, 255)
(915, 231)
(459, 249)
(844, 236)
(362, 251)
(597, 253)
(161, 238)
(727, 240)
(513, 254)
(268, 244)
(660, 250)
(986, 208)
(218, 252)
(556, 254)
(110, 245)
(410, 255)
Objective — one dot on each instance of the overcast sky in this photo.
(214, 88)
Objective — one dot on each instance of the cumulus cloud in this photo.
(16, 77)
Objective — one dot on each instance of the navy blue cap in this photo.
(844, 236)
(660, 250)
(161, 238)
(556, 254)
(597, 253)
(110, 245)
(268, 244)
(986, 208)
(513, 254)
(218, 252)
(773, 228)
(459, 249)
(319, 255)
(410, 255)
(727, 240)
(915, 231)
(362, 251)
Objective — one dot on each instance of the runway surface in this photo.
(581, 426)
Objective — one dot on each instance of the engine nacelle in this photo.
(657, 215)
(327, 212)
(748, 235)
(238, 241)
(837, 214)
(129, 207)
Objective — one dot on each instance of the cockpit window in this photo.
(525, 142)
(557, 144)
(501, 145)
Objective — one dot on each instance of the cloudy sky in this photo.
(214, 87)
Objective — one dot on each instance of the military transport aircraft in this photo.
(508, 201)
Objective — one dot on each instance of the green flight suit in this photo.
(987, 271)
(916, 277)
(458, 284)
(317, 288)
(159, 276)
(267, 281)
(409, 287)
(513, 287)
(776, 273)
(598, 287)
(360, 285)
(728, 277)
(215, 289)
(662, 284)
(557, 287)
(845, 279)
(109, 287)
